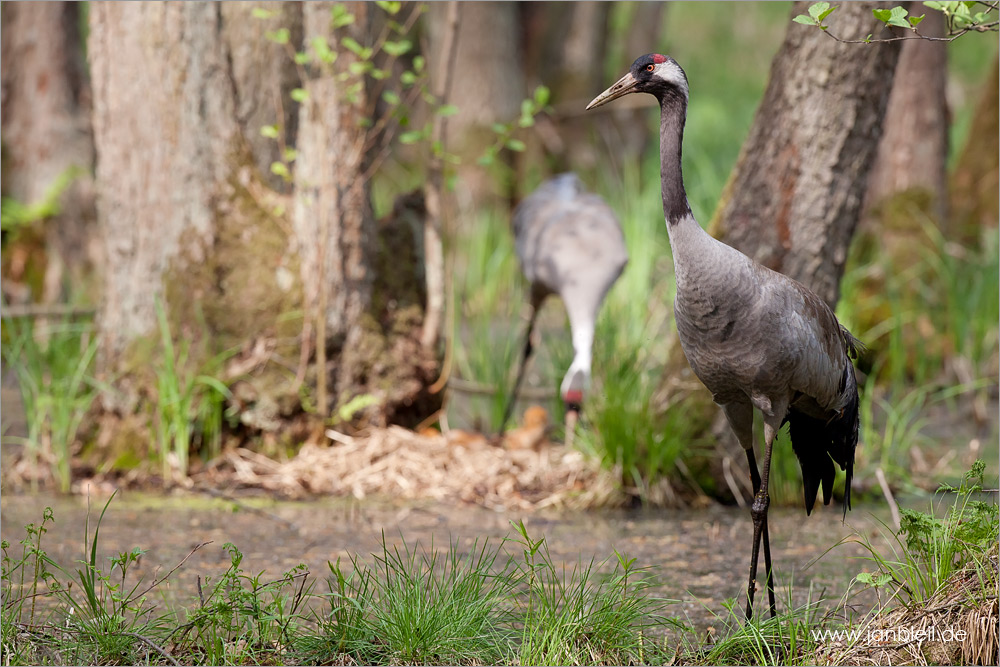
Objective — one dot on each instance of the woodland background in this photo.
(236, 225)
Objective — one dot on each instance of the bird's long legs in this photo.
(512, 397)
(768, 570)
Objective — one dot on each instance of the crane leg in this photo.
(768, 570)
(758, 510)
(512, 397)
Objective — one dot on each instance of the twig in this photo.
(157, 582)
(34, 310)
(887, 492)
(434, 191)
(150, 643)
(470, 387)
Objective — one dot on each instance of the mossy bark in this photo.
(975, 199)
(193, 218)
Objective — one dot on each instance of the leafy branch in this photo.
(961, 17)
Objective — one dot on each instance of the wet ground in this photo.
(699, 558)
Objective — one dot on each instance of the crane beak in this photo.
(622, 86)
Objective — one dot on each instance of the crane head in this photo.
(652, 73)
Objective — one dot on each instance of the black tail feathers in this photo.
(819, 443)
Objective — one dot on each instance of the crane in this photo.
(754, 337)
(569, 242)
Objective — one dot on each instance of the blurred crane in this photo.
(570, 243)
(754, 337)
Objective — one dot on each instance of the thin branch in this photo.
(150, 643)
(159, 581)
(434, 190)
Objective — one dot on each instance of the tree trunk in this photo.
(48, 150)
(194, 219)
(488, 91)
(794, 198)
(974, 195)
(914, 147)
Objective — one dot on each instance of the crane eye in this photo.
(650, 67)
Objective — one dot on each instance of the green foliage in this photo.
(54, 370)
(15, 215)
(927, 550)
(244, 619)
(190, 402)
(960, 16)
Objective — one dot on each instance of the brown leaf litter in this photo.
(399, 463)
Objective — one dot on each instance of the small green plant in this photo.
(57, 388)
(16, 215)
(579, 616)
(416, 607)
(928, 548)
(186, 400)
(245, 619)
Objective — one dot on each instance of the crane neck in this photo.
(673, 111)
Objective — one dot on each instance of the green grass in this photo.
(190, 402)
(503, 603)
(491, 604)
(54, 370)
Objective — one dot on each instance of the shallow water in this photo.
(698, 557)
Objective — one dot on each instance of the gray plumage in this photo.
(754, 337)
(569, 242)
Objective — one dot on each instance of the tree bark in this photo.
(794, 198)
(47, 139)
(914, 146)
(489, 90)
(975, 202)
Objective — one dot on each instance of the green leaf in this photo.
(261, 13)
(499, 128)
(279, 36)
(365, 121)
(805, 20)
(411, 137)
(397, 49)
(299, 94)
(897, 17)
(526, 121)
(377, 73)
(934, 4)
(352, 45)
(339, 16)
(358, 68)
(269, 131)
(822, 16)
(302, 58)
(865, 578)
(516, 145)
(541, 96)
(882, 15)
(323, 51)
(527, 108)
(280, 169)
(447, 110)
(391, 97)
(485, 160)
(408, 78)
(418, 63)
(818, 8)
(390, 8)
(290, 154)
(915, 20)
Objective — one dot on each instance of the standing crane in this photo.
(754, 337)
(569, 242)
